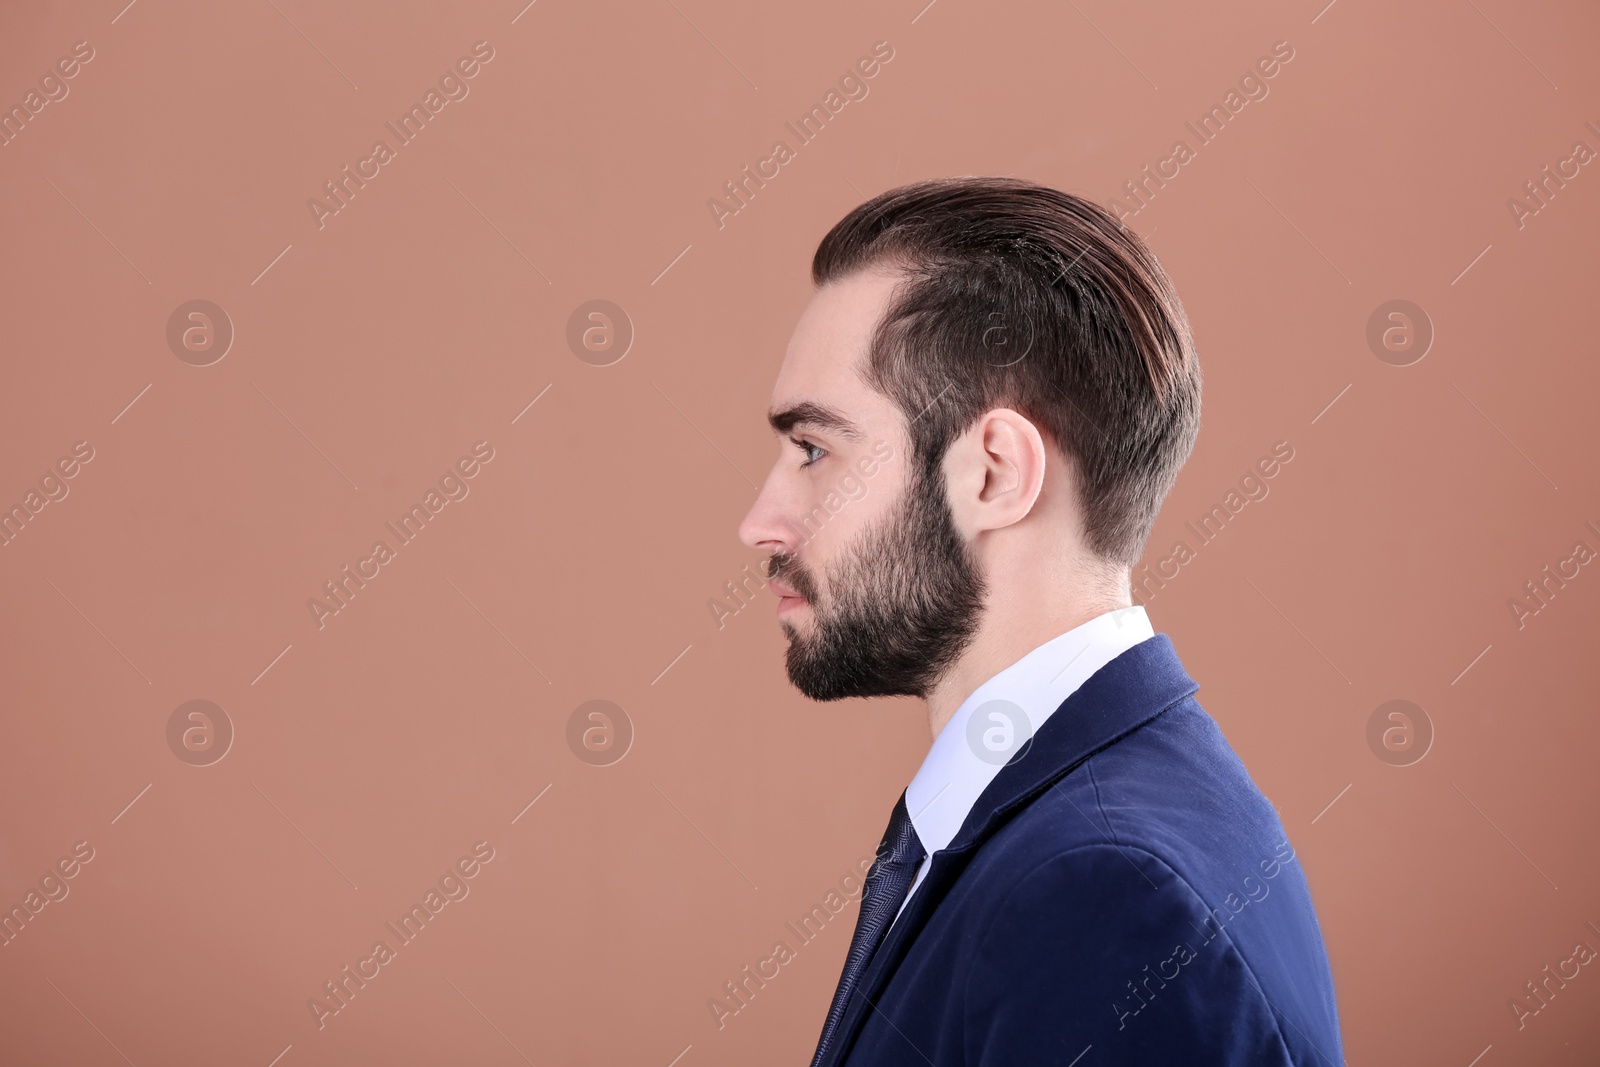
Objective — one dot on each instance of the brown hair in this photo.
(1019, 295)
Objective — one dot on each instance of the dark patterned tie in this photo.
(887, 882)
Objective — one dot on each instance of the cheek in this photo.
(842, 546)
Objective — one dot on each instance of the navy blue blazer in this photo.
(1121, 893)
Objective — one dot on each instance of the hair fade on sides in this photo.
(1018, 295)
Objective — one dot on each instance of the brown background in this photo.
(374, 351)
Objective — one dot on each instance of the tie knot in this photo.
(900, 845)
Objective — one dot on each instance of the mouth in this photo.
(788, 599)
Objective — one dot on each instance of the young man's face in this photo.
(886, 594)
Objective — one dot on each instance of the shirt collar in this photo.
(954, 774)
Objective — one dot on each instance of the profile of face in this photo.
(887, 594)
(898, 605)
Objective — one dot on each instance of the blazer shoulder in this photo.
(1177, 789)
(1154, 883)
(1118, 930)
(1174, 787)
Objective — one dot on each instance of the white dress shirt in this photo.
(953, 774)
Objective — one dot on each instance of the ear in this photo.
(995, 472)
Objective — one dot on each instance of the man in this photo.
(1081, 871)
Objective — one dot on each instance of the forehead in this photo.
(830, 343)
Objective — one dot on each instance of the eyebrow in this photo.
(820, 416)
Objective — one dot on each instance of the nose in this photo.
(767, 526)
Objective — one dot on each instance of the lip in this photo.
(787, 598)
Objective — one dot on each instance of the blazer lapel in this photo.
(1122, 696)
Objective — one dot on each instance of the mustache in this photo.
(785, 567)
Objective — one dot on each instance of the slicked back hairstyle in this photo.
(1018, 295)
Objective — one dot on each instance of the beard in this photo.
(900, 608)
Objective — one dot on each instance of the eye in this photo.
(806, 447)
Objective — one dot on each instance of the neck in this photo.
(1027, 622)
